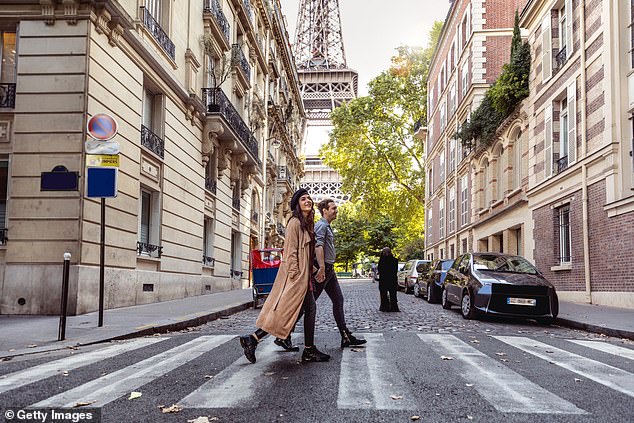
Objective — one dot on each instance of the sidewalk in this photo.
(21, 335)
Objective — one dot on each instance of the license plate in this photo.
(522, 301)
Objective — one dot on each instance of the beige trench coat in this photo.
(281, 308)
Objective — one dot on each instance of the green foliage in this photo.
(349, 239)
(413, 249)
(372, 147)
(500, 100)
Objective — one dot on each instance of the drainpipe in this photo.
(265, 155)
(584, 167)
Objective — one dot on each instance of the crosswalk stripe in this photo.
(506, 390)
(25, 377)
(368, 379)
(606, 347)
(238, 384)
(604, 374)
(103, 390)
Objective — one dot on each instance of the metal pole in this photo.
(63, 309)
(102, 252)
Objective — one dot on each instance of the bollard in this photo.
(63, 309)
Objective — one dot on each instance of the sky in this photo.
(372, 29)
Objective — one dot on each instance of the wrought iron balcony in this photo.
(236, 203)
(209, 261)
(146, 249)
(7, 95)
(3, 236)
(158, 33)
(152, 141)
(211, 185)
(218, 103)
(238, 57)
(561, 164)
(248, 9)
(213, 7)
(561, 58)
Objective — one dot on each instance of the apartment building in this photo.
(473, 46)
(210, 123)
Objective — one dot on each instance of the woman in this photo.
(388, 267)
(292, 288)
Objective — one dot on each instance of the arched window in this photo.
(486, 190)
(499, 176)
(517, 160)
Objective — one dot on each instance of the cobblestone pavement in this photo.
(362, 315)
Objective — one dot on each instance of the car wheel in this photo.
(444, 301)
(431, 294)
(417, 290)
(407, 289)
(466, 307)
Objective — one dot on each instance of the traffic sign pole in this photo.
(102, 255)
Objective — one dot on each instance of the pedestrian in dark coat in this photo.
(388, 266)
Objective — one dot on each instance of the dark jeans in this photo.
(389, 302)
(333, 289)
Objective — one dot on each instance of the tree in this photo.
(349, 239)
(372, 145)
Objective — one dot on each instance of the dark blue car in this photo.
(429, 284)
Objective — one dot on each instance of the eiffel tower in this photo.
(326, 82)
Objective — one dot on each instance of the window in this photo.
(442, 166)
(563, 131)
(500, 175)
(452, 155)
(149, 218)
(430, 180)
(452, 99)
(153, 111)
(442, 253)
(4, 182)
(8, 56)
(236, 255)
(562, 28)
(548, 141)
(211, 172)
(430, 132)
(452, 211)
(486, 179)
(443, 116)
(452, 254)
(546, 48)
(429, 230)
(464, 246)
(465, 79)
(464, 198)
(208, 242)
(517, 160)
(431, 98)
(563, 216)
(441, 219)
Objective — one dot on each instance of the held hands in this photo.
(321, 275)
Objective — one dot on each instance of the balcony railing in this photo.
(217, 102)
(213, 7)
(3, 236)
(146, 249)
(211, 185)
(152, 141)
(561, 164)
(238, 57)
(561, 58)
(236, 203)
(7, 95)
(209, 261)
(158, 33)
(247, 7)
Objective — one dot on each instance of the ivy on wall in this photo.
(501, 98)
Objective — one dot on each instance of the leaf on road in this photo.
(356, 349)
(174, 408)
(469, 417)
(396, 397)
(414, 418)
(550, 352)
(269, 373)
(504, 360)
(209, 377)
(31, 346)
(65, 373)
(11, 349)
(446, 357)
(285, 378)
(203, 419)
(469, 385)
(437, 394)
(84, 403)
(134, 395)
(501, 354)
(577, 380)
(475, 341)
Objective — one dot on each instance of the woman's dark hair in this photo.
(386, 252)
(306, 223)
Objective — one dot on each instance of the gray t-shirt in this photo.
(324, 237)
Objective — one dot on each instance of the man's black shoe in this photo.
(249, 344)
(349, 340)
(312, 354)
(287, 344)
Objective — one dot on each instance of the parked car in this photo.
(501, 285)
(407, 277)
(429, 285)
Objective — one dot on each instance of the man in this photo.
(326, 277)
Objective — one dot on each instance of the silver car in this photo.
(406, 278)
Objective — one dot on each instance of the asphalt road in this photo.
(424, 362)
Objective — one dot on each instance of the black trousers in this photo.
(389, 302)
(333, 289)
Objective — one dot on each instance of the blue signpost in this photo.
(102, 160)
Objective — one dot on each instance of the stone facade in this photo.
(208, 109)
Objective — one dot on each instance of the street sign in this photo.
(102, 160)
(101, 182)
(101, 147)
(101, 127)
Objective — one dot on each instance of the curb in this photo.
(160, 328)
(618, 333)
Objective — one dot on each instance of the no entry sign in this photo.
(101, 127)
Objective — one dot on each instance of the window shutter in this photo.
(572, 122)
(546, 49)
(145, 217)
(569, 37)
(548, 141)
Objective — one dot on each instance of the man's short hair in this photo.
(324, 204)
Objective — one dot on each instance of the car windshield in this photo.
(446, 265)
(494, 263)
